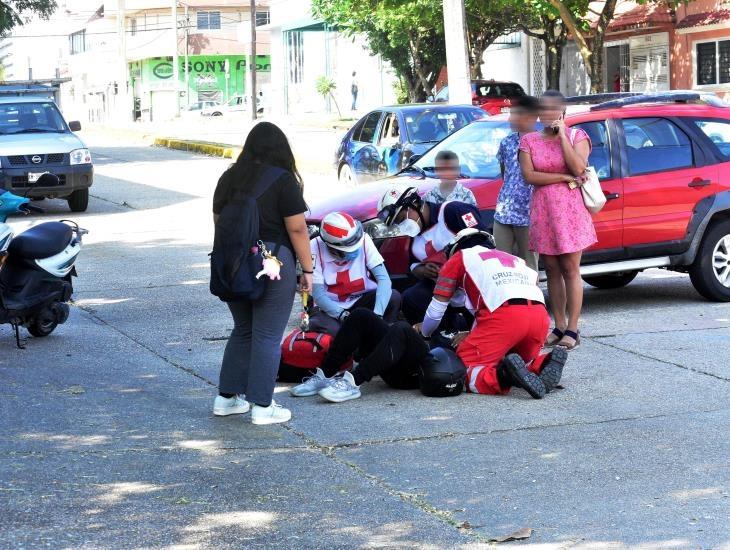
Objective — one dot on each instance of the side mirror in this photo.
(413, 159)
(74, 125)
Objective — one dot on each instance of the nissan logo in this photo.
(36, 159)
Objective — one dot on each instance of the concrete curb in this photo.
(206, 148)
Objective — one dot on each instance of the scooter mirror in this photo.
(47, 180)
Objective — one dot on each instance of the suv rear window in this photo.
(719, 133)
(495, 89)
(655, 144)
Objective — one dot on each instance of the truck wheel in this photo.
(611, 280)
(710, 272)
(78, 201)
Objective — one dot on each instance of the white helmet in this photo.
(341, 231)
(471, 234)
(396, 198)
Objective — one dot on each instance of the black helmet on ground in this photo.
(442, 374)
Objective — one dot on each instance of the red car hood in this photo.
(362, 202)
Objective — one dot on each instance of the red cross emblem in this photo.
(469, 219)
(430, 249)
(507, 260)
(344, 287)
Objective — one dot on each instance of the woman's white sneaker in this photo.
(273, 414)
(223, 406)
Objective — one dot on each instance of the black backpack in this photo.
(236, 258)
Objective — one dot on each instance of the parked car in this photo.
(382, 142)
(236, 105)
(197, 108)
(35, 139)
(491, 95)
(664, 165)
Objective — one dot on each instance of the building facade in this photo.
(304, 49)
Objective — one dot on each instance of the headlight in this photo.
(80, 156)
(378, 230)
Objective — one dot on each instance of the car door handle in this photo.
(697, 182)
(612, 196)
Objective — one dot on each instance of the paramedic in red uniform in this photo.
(510, 318)
(349, 273)
(432, 227)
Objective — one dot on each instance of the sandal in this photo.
(554, 337)
(565, 340)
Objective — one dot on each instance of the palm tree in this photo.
(325, 87)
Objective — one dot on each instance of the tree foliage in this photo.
(14, 13)
(326, 87)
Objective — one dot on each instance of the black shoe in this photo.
(552, 370)
(523, 378)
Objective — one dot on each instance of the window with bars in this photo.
(296, 56)
(262, 18)
(78, 42)
(713, 62)
(209, 20)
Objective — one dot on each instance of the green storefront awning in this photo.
(306, 24)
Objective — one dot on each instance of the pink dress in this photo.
(559, 221)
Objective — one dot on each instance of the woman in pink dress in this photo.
(561, 227)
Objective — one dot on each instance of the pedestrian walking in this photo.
(512, 214)
(251, 358)
(354, 90)
(554, 161)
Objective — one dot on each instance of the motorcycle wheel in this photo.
(43, 324)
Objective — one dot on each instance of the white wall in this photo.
(508, 64)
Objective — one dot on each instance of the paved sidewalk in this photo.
(108, 439)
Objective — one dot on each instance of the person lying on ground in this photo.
(349, 272)
(510, 318)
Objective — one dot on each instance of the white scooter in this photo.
(36, 267)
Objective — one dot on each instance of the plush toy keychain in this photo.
(304, 317)
(271, 264)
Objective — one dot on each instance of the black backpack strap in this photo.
(267, 178)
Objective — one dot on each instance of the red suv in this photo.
(664, 165)
(492, 96)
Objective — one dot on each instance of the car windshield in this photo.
(28, 118)
(476, 146)
(433, 125)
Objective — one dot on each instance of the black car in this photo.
(383, 141)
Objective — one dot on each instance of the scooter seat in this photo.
(41, 241)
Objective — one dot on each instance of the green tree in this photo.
(14, 13)
(486, 21)
(325, 87)
(407, 33)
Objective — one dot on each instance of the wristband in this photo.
(307, 272)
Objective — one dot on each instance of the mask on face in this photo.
(345, 256)
(409, 227)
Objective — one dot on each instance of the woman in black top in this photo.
(251, 358)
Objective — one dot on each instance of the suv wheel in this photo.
(611, 280)
(78, 201)
(710, 273)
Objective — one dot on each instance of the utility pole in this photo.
(252, 64)
(175, 60)
(121, 102)
(187, 69)
(457, 55)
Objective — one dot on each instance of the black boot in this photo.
(523, 378)
(552, 369)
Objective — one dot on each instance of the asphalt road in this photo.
(108, 438)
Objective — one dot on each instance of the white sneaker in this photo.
(311, 385)
(273, 414)
(341, 389)
(223, 406)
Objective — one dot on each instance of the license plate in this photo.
(33, 176)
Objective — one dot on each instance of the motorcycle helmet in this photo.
(341, 232)
(395, 199)
(442, 374)
(466, 238)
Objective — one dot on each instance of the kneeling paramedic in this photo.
(503, 347)
(432, 227)
(349, 273)
(396, 353)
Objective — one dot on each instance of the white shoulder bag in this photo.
(593, 196)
